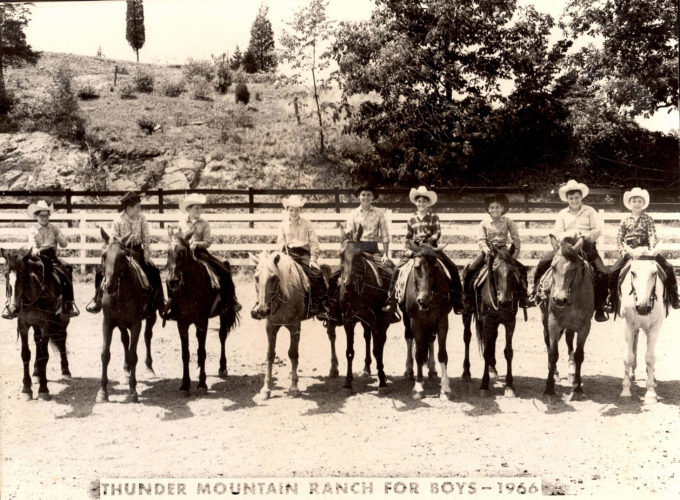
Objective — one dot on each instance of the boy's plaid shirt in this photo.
(420, 230)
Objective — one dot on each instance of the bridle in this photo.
(582, 266)
(652, 294)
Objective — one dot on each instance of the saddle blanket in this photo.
(402, 278)
(214, 279)
(140, 274)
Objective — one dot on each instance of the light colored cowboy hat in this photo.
(41, 206)
(293, 201)
(192, 199)
(422, 191)
(636, 191)
(572, 185)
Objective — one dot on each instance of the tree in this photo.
(310, 28)
(439, 69)
(249, 62)
(236, 59)
(14, 51)
(636, 65)
(134, 18)
(262, 41)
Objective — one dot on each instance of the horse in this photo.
(193, 299)
(498, 306)
(282, 298)
(124, 307)
(33, 294)
(643, 308)
(362, 294)
(569, 309)
(426, 315)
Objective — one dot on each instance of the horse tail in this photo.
(229, 320)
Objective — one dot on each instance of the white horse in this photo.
(643, 308)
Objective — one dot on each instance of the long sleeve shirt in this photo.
(636, 232)
(421, 230)
(299, 234)
(137, 227)
(586, 222)
(497, 232)
(373, 221)
(199, 229)
(48, 236)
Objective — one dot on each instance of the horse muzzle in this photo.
(643, 310)
(424, 301)
(559, 302)
(259, 312)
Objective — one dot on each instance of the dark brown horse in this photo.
(426, 314)
(362, 294)
(33, 293)
(569, 309)
(193, 299)
(124, 306)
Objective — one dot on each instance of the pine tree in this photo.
(134, 18)
(249, 63)
(14, 51)
(236, 59)
(262, 41)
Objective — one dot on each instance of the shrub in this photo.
(122, 70)
(173, 89)
(127, 91)
(147, 125)
(201, 68)
(223, 80)
(242, 94)
(144, 82)
(64, 115)
(242, 117)
(6, 102)
(200, 89)
(230, 118)
(87, 93)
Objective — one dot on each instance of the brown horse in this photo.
(124, 307)
(33, 294)
(569, 309)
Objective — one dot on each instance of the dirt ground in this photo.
(600, 445)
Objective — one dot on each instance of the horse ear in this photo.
(4, 253)
(553, 241)
(277, 258)
(105, 235)
(254, 258)
(579, 245)
(343, 234)
(171, 231)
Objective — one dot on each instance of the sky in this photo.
(180, 29)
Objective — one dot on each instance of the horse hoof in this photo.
(133, 398)
(66, 375)
(485, 393)
(26, 396)
(510, 392)
(409, 375)
(446, 396)
(334, 373)
(201, 391)
(417, 396)
(102, 397)
(184, 393)
(625, 394)
(294, 392)
(576, 396)
(365, 373)
(149, 373)
(263, 395)
(45, 396)
(432, 376)
(650, 400)
(466, 377)
(222, 374)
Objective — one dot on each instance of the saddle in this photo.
(140, 275)
(404, 273)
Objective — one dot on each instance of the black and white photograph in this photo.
(339, 249)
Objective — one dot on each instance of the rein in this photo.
(652, 295)
(582, 266)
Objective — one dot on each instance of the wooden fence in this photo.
(237, 234)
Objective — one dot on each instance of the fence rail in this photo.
(237, 234)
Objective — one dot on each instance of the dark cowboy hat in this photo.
(501, 199)
(366, 187)
(129, 200)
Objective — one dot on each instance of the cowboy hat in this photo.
(366, 187)
(129, 200)
(41, 206)
(295, 200)
(501, 199)
(192, 199)
(422, 191)
(636, 191)
(572, 185)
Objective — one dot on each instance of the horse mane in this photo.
(292, 280)
(569, 252)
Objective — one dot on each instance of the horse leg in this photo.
(183, 330)
(330, 331)
(630, 334)
(125, 339)
(266, 390)
(546, 337)
(379, 338)
(43, 355)
(579, 356)
(294, 356)
(349, 353)
(36, 362)
(509, 382)
(650, 359)
(408, 372)
(366, 372)
(26, 391)
(421, 359)
(554, 334)
(135, 332)
(569, 338)
(60, 342)
(489, 333)
(224, 333)
(201, 334)
(431, 370)
(634, 365)
(467, 336)
(443, 357)
(107, 334)
(148, 334)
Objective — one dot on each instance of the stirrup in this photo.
(93, 306)
(74, 310)
(8, 315)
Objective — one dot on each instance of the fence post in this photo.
(83, 241)
(251, 204)
(337, 199)
(390, 224)
(115, 75)
(160, 205)
(525, 194)
(69, 205)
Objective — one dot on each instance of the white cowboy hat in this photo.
(293, 201)
(422, 191)
(636, 191)
(572, 185)
(41, 206)
(192, 199)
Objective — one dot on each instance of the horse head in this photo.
(567, 263)
(113, 259)
(504, 274)
(424, 269)
(644, 276)
(179, 255)
(25, 278)
(267, 283)
(349, 249)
